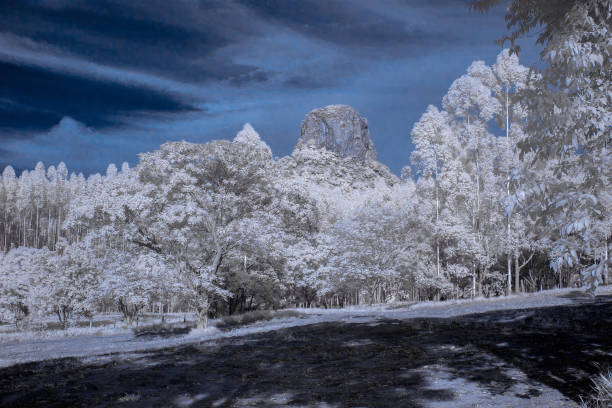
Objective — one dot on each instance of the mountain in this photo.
(340, 129)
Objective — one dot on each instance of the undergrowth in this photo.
(162, 330)
(601, 396)
(234, 321)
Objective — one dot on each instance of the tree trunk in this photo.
(202, 313)
(129, 311)
(519, 267)
(59, 224)
(49, 230)
(36, 234)
(509, 260)
(517, 273)
(30, 226)
(605, 268)
(5, 231)
(437, 238)
(62, 315)
(508, 195)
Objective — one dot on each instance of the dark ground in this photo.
(338, 364)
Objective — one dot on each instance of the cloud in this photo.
(175, 40)
(23, 117)
(340, 23)
(80, 147)
(24, 51)
(36, 96)
(436, 3)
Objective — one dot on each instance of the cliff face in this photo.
(339, 129)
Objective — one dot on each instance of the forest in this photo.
(508, 189)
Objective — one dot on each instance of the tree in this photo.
(39, 184)
(569, 126)
(72, 282)
(135, 278)
(188, 203)
(306, 266)
(505, 81)
(430, 136)
(472, 105)
(369, 248)
(21, 270)
(9, 191)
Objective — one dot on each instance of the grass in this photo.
(234, 321)
(80, 323)
(51, 334)
(44, 326)
(601, 396)
(399, 305)
(161, 330)
(129, 398)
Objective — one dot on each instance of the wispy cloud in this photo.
(24, 51)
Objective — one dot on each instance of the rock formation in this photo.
(340, 129)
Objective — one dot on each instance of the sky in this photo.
(96, 82)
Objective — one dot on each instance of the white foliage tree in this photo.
(72, 282)
(21, 271)
(188, 204)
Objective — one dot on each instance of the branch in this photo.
(152, 244)
(148, 245)
(526, 262)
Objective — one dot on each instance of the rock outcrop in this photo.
(340, 129)
(335, 164)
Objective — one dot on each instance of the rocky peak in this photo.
(340, 129)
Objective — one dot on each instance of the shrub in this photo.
(601, 396)
(161, 330)
(129, 398)
(231, 322)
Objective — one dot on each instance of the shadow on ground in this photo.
(338, 364)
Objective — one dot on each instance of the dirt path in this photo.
(537, 357)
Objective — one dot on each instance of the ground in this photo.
(439, 355)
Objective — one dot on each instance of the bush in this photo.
(231, 322)
(161, 330)
(602, 391)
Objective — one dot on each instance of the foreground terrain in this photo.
(541, 356)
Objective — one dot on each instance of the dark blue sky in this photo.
(94, 82)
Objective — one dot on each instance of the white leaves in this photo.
(433, 140)
(469, 96)
(250, 137)
(111, 171)
(21, 270)
(192, 203)
(509, 72)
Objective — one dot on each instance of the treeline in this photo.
(34, 205)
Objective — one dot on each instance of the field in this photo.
(538, 350)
